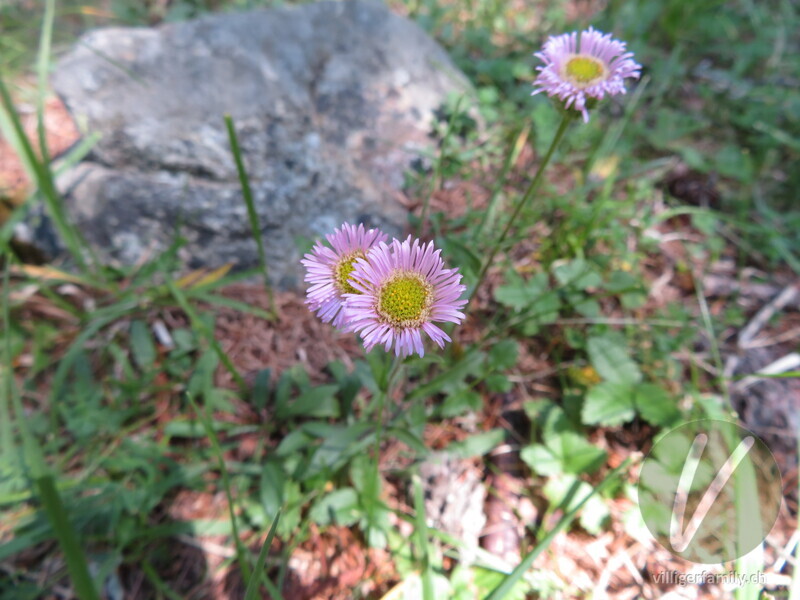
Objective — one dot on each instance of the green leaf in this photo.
(272, 483)
(361, 470)
(292, 442)
(609, 404)
(577, 454)
(513, 578)
(584, 305)
(290, 516)
(610, 359)
(522, 294)
(498, 383)
(202, 380)
(730, 161)
(252, 586)
(316, 402)
(485, 580)
(503, 355)
(340, 507)
(628, 287)
(338, 445)
(577, 274)
(142, 347)
(594, 513)
(567, 452)
(461, 254)
(543, 312)
(655, 405)
(409, 439)
(541, 460)
(192, 429)
(621, 281)
(260, 393)
(478, 444)
(452, 379)
(631, 300)
(461, 402)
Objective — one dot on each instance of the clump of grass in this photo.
(105, 421)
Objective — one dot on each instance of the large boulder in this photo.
(332, 101)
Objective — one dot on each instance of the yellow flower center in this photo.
(404, 300)
(584, 70)
(343, 270)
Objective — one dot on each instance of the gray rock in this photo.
(454, 500)
(332, 101)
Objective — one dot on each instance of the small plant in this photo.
(557, 318)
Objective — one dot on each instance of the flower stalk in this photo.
(534, 185)
(373, 486)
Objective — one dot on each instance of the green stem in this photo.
(42, 68)
(247, 193)
(384, 392)
(67, 538)
(428, 589)
(537, 179)
(437, 175)
(511, 158)
(199, 325)
(241, 551)
(6, 374)
(44, 181)
(39, 473)
(502, 590)
(380, 408)
(252, 586)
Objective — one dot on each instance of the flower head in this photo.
(402, 289)
(328, 269)
(585, 67)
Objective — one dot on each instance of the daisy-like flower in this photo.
(328, 269)
(402, 289)
(580, 69)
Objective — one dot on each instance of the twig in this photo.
(698, 359)
(720, 285)
(785, 552)
(782, 365)
(765, 314)
(772, 341)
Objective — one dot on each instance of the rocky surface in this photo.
(454, 500)
(332, 101)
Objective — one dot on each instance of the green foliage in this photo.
(622, 394)
(564, 447)
(106, 424)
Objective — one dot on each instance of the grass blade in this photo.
(200, 327)
(241, 551)
(436, 180)
(247, 193)
(44, 482)
(67, 539)
(252, 587)
(422, 540)
(40, 168)
(42, 68)
(794, 588)
(7, 383)
(157, 582)
(509, 582)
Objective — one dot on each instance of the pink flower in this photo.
(402, 289)
(328, 270)
(579, 69)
